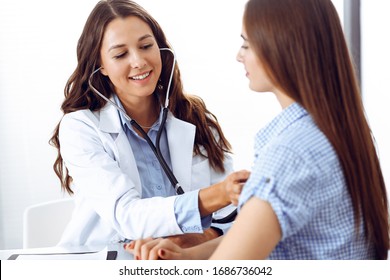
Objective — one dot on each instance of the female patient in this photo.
(316, 190)
(121, 191)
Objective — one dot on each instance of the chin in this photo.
(253, 88)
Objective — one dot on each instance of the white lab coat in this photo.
(107, 186)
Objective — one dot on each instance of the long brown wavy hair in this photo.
(79, 96)
(303, 50)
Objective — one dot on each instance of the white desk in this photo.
(122, 254)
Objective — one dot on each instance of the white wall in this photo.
(376, 75)
(37, 55)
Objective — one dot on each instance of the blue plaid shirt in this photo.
(297, 171)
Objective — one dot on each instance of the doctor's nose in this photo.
(136, 60)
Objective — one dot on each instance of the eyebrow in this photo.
(243, 37)
(122, 45)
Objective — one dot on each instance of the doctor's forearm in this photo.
(212, 199)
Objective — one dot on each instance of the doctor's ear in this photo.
(103, 71)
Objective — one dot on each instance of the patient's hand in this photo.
(192, 239)
(234, 184)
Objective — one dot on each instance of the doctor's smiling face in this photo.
(130, 57)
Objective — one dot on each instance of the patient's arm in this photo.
(254, 234)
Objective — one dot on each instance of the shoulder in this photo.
(175, 124)
(306, 140)
(300, 151)
(84, 115)
(79, 122)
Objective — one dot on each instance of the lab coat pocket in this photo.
(200, 176)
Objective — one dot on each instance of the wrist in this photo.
(223, 193)
(212, 199)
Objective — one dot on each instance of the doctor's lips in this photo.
(141, 76)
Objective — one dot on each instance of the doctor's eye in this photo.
(147, 46)
(118, 56)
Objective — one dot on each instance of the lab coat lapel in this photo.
(181, 137)
(109, 119)
(110, 123)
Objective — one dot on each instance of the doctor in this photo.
(121, 192)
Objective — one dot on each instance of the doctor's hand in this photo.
(234, 183)
(155, 249)
(142, 248)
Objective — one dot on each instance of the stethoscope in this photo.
(156, 148)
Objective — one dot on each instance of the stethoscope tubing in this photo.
(156, 147)
(157, 151)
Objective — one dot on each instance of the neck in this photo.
(283, 99)
(144, 111)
